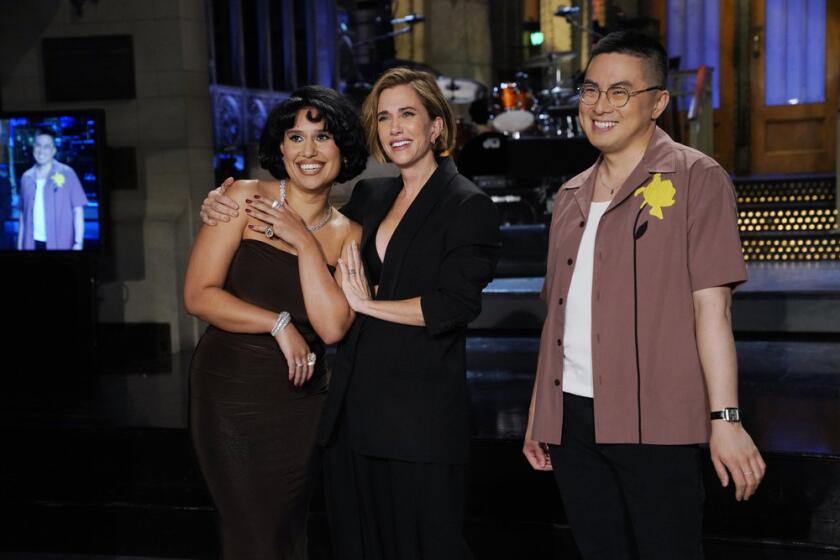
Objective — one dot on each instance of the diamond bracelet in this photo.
(282, 320)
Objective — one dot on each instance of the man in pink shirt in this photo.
(637, 363)
(52, 201)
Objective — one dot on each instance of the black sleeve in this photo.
(469, 262)
(355, 207)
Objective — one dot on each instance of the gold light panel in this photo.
(812, 219)
(811, 249)
(816, 190)
(788, 219)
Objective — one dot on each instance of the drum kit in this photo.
(516, 108)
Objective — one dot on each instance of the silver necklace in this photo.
(314, 227)
(603, 184)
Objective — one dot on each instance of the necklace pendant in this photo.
(312, 228)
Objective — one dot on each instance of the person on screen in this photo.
(52, 201)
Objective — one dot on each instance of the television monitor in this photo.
(51, 184)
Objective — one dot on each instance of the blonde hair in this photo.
(426, 87)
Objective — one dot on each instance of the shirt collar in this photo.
(658, 158)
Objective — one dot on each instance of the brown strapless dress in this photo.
(254, 432)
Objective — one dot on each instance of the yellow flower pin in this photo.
(58, 179)
(658, 194)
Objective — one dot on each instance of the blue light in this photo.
(694, 36)
(794, 59)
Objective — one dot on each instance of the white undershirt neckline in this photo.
(577, 335)
(39, 221)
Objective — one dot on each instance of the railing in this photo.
(694, 87)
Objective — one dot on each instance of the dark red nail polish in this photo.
(247, 210)
(256, 196)
(248, 200)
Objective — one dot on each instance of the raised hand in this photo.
(353, 279)
(284, 222)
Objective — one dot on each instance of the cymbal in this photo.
(550, 59)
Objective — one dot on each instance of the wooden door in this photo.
(788, 134)
(723, 67)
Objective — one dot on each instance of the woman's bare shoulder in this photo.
(242, 189)
(348, 229)
(247, 188)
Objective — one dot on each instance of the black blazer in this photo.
(411, 403)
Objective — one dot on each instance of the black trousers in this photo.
(386, 509)
(641, 502)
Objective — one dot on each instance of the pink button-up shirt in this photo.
(670, 230)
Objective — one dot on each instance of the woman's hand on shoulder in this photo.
(218, 206)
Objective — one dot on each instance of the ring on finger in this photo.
(275, 205)
(269, 232)
(300, 365)
(311, 358)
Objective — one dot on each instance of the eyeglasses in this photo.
(617, 96)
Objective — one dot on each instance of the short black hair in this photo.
(640, 45)
(43, 131)
(340, 119)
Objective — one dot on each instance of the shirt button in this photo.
(560, 302)
(570, 261)
(597, 338)
(559, 342)
(556, 382)
(582, 223)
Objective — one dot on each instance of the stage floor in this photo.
(789, 392)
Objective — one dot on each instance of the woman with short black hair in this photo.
(266, 281)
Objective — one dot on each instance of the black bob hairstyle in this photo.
(340, 120)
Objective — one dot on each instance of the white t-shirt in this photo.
(39, 222)
(577, 336)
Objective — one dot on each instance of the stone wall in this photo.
(169, 125)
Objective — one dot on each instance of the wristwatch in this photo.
(727, 414)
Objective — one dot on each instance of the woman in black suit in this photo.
(396, 422)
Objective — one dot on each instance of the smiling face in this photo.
(310, 155)
(611, 129)
(406, 131)
(43, 149)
